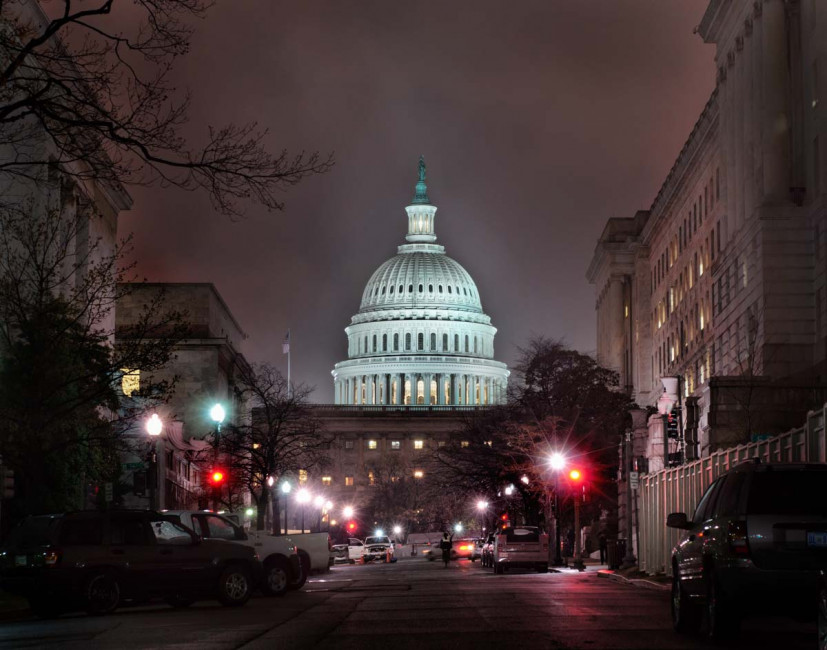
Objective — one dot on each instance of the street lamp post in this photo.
(303, 497)
(285, 489)
(217, 415)
(557, 463)
(482, 506)
(318, 502)
(154, 426)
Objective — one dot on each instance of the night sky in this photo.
(538, 121)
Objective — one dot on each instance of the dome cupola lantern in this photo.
(420, 337)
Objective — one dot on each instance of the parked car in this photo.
(520, 546)
(755, 544)
(487, 551)
(96, 560)
(285, 566)
(379, 547)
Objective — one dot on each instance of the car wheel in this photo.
(304, 563)
(685, 619)
(179, 601)
(234, 586)
(276, 577)
(102, 594)
(45, 607)
(822, 618)
(721, 621)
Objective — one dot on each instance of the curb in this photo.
(637, 582)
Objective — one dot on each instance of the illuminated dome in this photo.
(420, 336)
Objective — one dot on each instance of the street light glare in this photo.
(318, 502)
(557, 461)
(270, 481)
(482, 505)
(524, 479)
(303, 496)
(286, 487)
(347, 512)
(379, 532)
(154, 425)
(458, 528)
(397, 530)
(217, 413)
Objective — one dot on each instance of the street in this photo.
(411, 604)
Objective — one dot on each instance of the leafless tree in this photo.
(85, 85)
(277, 437)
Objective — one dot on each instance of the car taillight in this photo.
(737, 537)
(51, 557)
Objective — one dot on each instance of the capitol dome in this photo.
(420, 336)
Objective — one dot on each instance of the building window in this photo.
(430, 288)
(408, 341)
(374, 342)
(372, 444)
(421, 288)
(384, 343)
(130, 381)
(420, 341)
(444, 342)
(466, 343)
(456, 342)
(348, 481)
(327, 480)
(441, 443)
(348, 444)
(464, 444)
(396, 342)
(419, 444)
(418, 473)
(371, 478)
(433, 341)
(395, 444)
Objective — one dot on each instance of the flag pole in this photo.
(289, 385)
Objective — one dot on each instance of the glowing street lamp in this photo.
(457, 528)
(217, 414)
(347, 512)
(397, 530)
(482, 506)
(285, 489)
(557, 461)
(154, 426)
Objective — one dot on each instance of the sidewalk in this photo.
(633, 576)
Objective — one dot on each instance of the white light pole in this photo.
(285, 490)
(303, 496)
(216, 415)
(482, 506)
(557, 463)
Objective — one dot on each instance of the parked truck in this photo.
(286, 566)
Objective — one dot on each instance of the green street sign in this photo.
(138, 465)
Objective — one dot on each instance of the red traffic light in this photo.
(575, 475)
(504, 516)
(217, 477)
(351, 527)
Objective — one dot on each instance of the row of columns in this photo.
(441, 389)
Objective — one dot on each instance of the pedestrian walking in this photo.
(445, 545)
(601, 540)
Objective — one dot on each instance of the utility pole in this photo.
(629, 559)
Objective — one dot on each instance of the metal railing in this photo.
(680, 488)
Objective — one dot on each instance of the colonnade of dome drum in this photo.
(407, 389)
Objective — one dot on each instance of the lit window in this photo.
(395, 444)
(464, 443)
(327, 480)
(348, 444)
(371, 478)
(418, 473)
(349, 481)
(131, 381)
(372, 444)
(419, 444)
(256, 445)
(394, 479)
(441, 443)
(302, 476)
(490, 443)
(626, 311)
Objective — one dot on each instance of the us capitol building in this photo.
(420, 336)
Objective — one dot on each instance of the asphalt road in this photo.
(410, 604)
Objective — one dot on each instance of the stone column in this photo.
(400, 388)
(348, 392)
(440, 389)
(426, 380)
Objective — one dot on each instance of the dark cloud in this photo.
(538, 121)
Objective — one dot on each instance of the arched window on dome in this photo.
(391, 291)
(444, 342)
(408, 341)
(420, 341)
(366, 345)
(430, 288)
(456, 342)
(466, 342)
(440, 288)
(449, 288)
(396, 342)
(374, 343)
(475, 345)
(457, 290)
(383, 291)
(433, 341)
(384, 343)
(465, 291)
(421, 288)
(410, 288)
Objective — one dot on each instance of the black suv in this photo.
(754, 545)
(96, 560)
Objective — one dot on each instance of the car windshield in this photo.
(168, 532)
(788, 492)
(377, 540)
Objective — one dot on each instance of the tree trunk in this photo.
(276, 516)
(261, 508)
